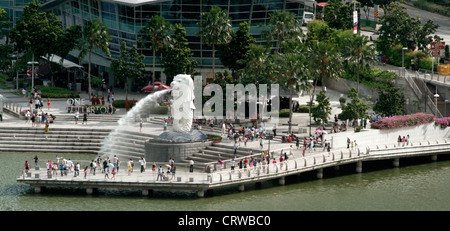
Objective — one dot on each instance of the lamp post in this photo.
(32, 71)
(403, 55)
(445, 107)
(436, 96)
(310, 105)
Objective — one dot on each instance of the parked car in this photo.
(156, 86)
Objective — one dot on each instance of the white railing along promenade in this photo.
(257, 173)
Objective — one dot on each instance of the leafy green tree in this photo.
(4, 20)
(215, 29)
(322, 111)
(397, 27)
(177, 57)
(156, 34)
(36, 32)
(282, 26)
(95, 35)
(319, 30)
(232, 53)
(255, 64)
(129, 66)
(390, 102)
(339, 15)
(355, 109)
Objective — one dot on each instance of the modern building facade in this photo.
(125, 18)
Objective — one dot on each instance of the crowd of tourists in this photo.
(36, 115)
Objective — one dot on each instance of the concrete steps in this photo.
(70, 140)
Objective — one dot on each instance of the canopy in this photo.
(322, 3)
(66, 63)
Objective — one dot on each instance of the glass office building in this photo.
(125, 18)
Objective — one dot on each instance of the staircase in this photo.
(70, 140)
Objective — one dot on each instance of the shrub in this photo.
(443, 122)
(403, 121)
(160, 110)
(284, 113)
(54, 92)
(358, 129)
(214, 137)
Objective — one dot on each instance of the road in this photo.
(443, 21)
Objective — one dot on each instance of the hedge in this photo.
(54, 92)
(403, 121)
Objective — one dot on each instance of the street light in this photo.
(435, 98)
(32, 72)
(403, 55)
(310, 105)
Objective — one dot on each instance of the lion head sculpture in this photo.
(182, 103)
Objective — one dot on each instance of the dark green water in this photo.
(422, 186)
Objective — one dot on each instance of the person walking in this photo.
(140, 125)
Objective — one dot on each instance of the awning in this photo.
(66, 63)
(322, 3)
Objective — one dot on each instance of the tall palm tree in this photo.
(215, 29)
(95, 35)
(292, 68)
(358, 51)
(156, 34)
(282, 26)
(324, 61)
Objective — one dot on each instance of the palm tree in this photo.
(215, 29)
(292, 69)
(359, 52)
(282, 26)
(157, 34)
(95, 35)
(324, 61)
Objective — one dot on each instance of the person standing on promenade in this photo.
(85, 118)
(348, 142)
(77, 115)
(115, 159)
(407, 140)
(143, 163)
(85, 172)
(106, 172)
(191, 165)
(48, 104)
(129, 167)
(160, 173)
(114, 174)
(173, 173)
(35, 161)
(93, 167)
(140, 125)
(27, 166)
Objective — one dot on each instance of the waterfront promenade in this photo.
(372, 145)
(427, 140)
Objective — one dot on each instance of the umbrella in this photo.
(110, 165)
(324, 132)
(168, 165)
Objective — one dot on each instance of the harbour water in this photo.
(419, 186)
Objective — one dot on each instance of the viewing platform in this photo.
(200, 182)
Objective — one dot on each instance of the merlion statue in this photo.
(182, 103)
